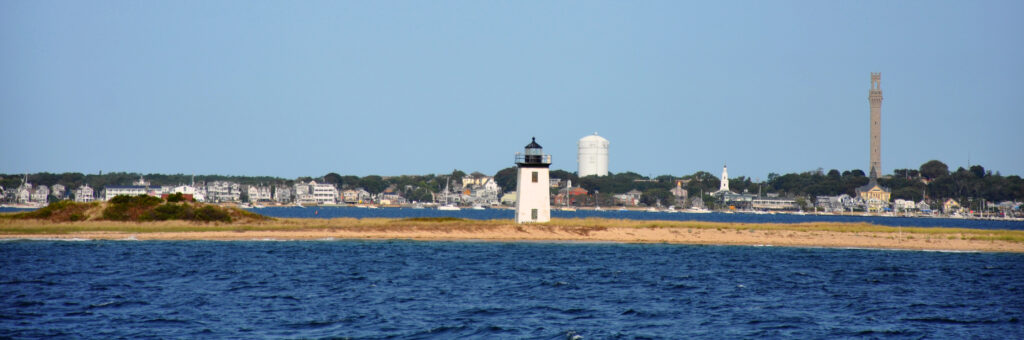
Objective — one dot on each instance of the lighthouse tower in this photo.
(532, 202)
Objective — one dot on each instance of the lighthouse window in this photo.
(535, 177)
(533, 213)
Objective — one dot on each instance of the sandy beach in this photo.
(570, 230)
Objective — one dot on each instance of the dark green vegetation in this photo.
(59, 211)
(137, 209)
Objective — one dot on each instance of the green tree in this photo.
(373, 184)
(506, 179)
(934, 169)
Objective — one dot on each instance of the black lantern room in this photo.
(533, 156)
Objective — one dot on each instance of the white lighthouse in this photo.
(533, 202)
(724, 184)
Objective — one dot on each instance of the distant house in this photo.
(128, 190)
(84, 194)
(630, 198)
(951, 206)
(58, 190)
(680, 193)
(192, 191)
(923, 207)
(570, 195)
(223, 191)
(40, 194)
(259, 193)
(282, 194)
(509, 198)
(324, 193)
(356, 196)
(904, 205)
(24, 193)
(773, 204)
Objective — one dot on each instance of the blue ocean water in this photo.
(406, 289)
(333, 212)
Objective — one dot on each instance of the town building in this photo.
(282, 194)
(40, 194)
(128, 190)
(58, 190)
(84, 194)
(679, 193)
(324, 193)
(630, 198)
(875, 195)
(259, 193)
(356, 196)
(533, 203)
(592, 156)
(773, 204)
(951, 206)
(223, 191)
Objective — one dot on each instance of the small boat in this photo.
(449, 207)
(652, 209)
(567, 209)
(417, 206)
(478, 207)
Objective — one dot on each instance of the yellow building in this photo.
(876, 195)
(951, 206)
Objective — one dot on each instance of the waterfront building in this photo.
(680, 193)
(773, 204)
(592, 156)
(509, 198)
(259, 193)
(40, 194)
(188, 190)
(533, 203)
(58, 190)
(223, 191)
(127, 190)
(630, 198)
(951, 206)
(356, 196)
(282, 194)
(324, 193)
(874, 191)
(84, 194)
(24, 192)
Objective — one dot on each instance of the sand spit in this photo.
(830, 235)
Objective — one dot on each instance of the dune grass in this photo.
(447, 225)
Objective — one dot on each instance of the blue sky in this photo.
(414, 87)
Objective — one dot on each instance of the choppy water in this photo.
(332, 212)
(404, 289)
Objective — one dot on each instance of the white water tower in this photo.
(533, 202)
(592, 156)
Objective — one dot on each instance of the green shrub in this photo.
(211, 213)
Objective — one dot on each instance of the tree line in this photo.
(932, 179)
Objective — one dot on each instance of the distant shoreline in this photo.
(825, 235)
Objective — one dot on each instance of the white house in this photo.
(40, 194)
(324, 193)
(84, 194)
(129, 190)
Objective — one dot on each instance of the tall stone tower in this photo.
(532, 185)
(875, 98)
